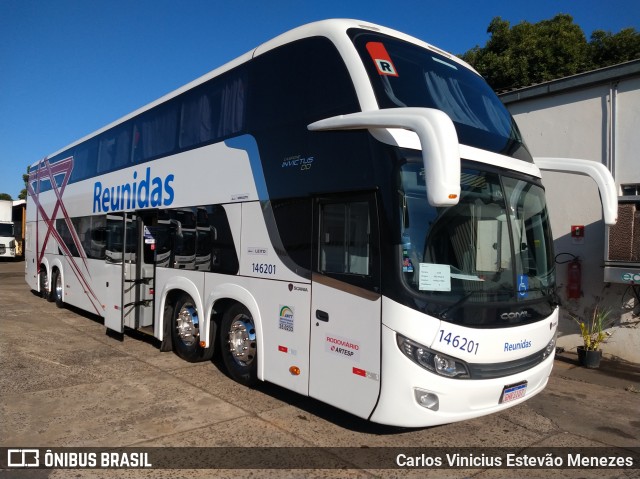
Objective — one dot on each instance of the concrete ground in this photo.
(65, 383)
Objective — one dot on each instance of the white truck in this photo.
(7, 237)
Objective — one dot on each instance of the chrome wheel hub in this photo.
(59, 287)
(187, 325)
(242, 340)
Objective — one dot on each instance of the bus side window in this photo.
(155, 133)
(224, 258)
(84, 160)
(115, 148)
(114, 238)
(344, 238)
(67, 238)
(214, 111)
(163, 233)
(293, 217)
(98, 237)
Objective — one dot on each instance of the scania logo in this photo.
(518, 315)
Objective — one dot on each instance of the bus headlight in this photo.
(550, 348)
(433, 361)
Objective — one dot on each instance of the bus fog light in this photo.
(426, 399)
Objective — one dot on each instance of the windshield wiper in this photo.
(444, 314)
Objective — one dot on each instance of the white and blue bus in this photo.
(345, 211)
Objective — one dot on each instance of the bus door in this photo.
(114, 254)
(139, 270)
(346, 305)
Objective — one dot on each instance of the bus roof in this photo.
(334, 29)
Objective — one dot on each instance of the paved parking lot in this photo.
(65, 383)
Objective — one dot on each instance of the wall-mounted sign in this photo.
(577, 234)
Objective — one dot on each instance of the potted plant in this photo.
(593, 335)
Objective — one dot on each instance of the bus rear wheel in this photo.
(238, 344)
(44, 284)
(56, 288)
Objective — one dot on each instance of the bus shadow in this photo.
(319, 409)
(132, 333)
(307, 404)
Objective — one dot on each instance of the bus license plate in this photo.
(513, 392)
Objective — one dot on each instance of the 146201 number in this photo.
(459, 342)
(263, 268)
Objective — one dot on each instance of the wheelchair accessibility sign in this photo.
(523, 286)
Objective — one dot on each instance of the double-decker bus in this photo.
(375, 227)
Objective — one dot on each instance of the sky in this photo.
(70, 67)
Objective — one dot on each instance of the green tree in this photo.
(23, 193)
(609, 49)
(530, 53)
(5, 196)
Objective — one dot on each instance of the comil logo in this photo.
(23, 458)
(517, 315)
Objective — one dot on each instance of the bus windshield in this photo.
(494, 246)
(405, 75)
(6, 229)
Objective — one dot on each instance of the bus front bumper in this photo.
(445, 400)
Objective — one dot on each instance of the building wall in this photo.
(582, 123)
(555, 125)
(627, 147)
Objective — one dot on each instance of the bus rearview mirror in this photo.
(597, 172)
(438, 140)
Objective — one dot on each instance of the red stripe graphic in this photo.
(44, 171)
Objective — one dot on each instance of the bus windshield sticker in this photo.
(435, 277)
(148, 237)
(523, 285)
(381, 58)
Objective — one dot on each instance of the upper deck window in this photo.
(406, 75)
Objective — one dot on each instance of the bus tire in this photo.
(167, 325)
(44, 283)
(239, 346)
(185, 331)
(56, 289)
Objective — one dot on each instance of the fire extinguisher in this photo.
(574, 279)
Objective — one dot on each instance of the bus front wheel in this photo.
(239, 345)
(186, 331)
